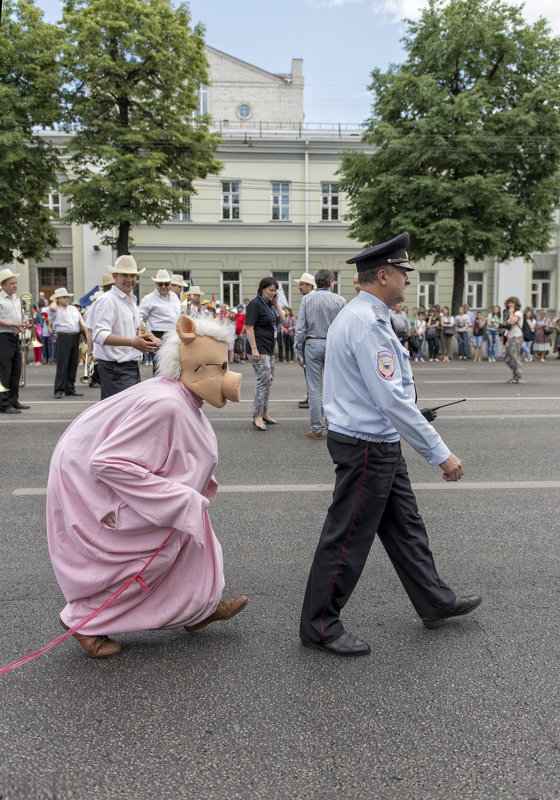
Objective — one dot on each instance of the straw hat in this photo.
(62, 292)
(306, 277)
(107, 279)
(97, 295)
(195, 290)
(127, 266)
(177, 280)
(162, 276)
(7, 273)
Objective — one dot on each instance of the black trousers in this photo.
(10, 368)
(67, 357)
(159, 335)
(372, 494)
(114, 376)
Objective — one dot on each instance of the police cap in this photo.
(392, 253)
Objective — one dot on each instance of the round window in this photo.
(244, 111)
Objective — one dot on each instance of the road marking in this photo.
(328, 487)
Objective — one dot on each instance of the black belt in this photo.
(9, 334)
(319, 338)
(67, 333)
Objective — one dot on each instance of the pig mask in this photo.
(202, 360)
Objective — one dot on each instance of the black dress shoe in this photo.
(19, 405)
(461, 605)
(303, 404)
(10, 410)
(58, 395)
(75, 394)
(345, 645)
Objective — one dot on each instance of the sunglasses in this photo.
(163, 284)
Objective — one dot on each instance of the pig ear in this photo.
(186, 329)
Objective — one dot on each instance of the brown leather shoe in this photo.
(226, 610)
(313, 435)
(96, 646)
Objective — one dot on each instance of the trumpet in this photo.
(88, 369)
(28, 338)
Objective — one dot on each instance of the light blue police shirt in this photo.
(368, 386)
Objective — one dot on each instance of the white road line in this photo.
(328, 487)
(214, 419)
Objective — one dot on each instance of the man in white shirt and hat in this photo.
(161, 308)
(11, 326)
(178, 285)
(117, 344)
(306, 285)
(193, 306)
(68, 324)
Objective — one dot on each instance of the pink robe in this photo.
(147, 455)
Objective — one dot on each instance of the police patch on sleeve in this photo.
(386, 364)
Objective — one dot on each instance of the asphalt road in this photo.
(470, 711)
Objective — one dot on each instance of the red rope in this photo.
(71, 631)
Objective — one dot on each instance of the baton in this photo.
(431, 413)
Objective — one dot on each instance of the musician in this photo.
(178, 285)
(160, 308)
(68, 324)
(117, 345)
(127, 474)
(192, 306)
(11, 327)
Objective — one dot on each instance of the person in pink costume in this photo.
(126, 473)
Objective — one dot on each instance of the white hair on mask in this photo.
(169, 365)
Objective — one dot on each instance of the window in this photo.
(329, 201)
(183, 216)
(541, 289)
(426, 289)
(280, 200)
(244, 111)
(230, 288)
(53, 203)
(475, 295)
(283, 281)
(231, 199)
(336, 287)
(202, 100)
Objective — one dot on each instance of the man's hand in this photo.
(300, 361)
(145, 346)
(452, 468)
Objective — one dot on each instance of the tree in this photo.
(134, 68)
(29, 98)
(467, 136)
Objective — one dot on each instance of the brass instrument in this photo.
(28, 338)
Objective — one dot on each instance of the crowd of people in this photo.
(438, 335)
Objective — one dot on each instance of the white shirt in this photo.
(88, 315)
(161, 312)
(10, 310)
(65, 320)
(115, 312)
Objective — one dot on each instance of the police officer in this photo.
(369, 401)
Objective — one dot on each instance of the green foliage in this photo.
(29, 98)
(467, 138)
(133, 68)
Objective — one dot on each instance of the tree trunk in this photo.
(122, 241)
(458, 282)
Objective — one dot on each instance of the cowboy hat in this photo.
(195, 290)
(177, 280)
(162, 276)
(306, 277)
(7, 273)
(107, 279)
(127, 266)
(62, 292)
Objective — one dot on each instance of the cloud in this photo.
(396, 10)
(332, 3)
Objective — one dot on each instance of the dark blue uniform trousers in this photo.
(372, 494)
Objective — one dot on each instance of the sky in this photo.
(340, 42)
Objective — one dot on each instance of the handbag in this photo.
(548, 331)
